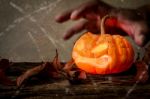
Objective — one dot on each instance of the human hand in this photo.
(135, 23)
(128, 21)
(90, 12)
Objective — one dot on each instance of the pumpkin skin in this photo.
(103, 54)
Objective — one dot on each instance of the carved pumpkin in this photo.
(103, 54)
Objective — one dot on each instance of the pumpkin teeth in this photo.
(102, 62)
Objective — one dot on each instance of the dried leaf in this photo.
(47, 69)
(4, 65)
(146, 57)
(69, 65)
(56, 62)
(142, 72)
(82, 75)
(29, 73)
(75, 76)
(4, 79)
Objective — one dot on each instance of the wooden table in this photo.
(97, 87)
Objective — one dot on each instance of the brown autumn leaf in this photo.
(68, 66)
(4, 79)
(29, 73)
(142, 75)
(146, 57)
(4, 65)
(74, 74)
(48, 69)
(56, 63)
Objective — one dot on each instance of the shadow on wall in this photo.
(28, 32)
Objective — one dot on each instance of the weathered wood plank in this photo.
(97, 87)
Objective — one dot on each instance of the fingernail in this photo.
(74, 15)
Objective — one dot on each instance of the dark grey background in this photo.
(29, 33)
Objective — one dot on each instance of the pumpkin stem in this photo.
(102, 23)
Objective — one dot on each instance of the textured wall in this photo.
(28, 31)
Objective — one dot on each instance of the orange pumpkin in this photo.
(103, 54)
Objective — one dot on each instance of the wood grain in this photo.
(96, 87)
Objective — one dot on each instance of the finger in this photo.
(64, 16)
(75, 29)
(80, 11)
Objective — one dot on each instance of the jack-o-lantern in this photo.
(104, 53)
